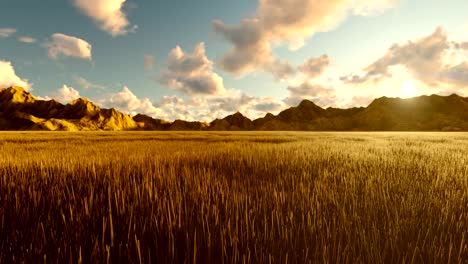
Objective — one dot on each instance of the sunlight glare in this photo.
(408, 89)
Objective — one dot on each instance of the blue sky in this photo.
(45, 44)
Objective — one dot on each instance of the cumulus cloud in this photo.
(85, 84)
(191, 74)
(314, 67)
(65, 94)
(108, 14)
(27, 40)
(69, 46)
(206, 108)
(7, 32)
(284, 21)
(9, 78)
(128, 102)
(149, 60)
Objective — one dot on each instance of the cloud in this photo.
(7, 32)
(370, 8)
(268, 105)
(27, 40)
(128, 102)
(284, 21)
(191, 74)
(85, 84)
(68, 46)
(108, 15)
(9, 78)
(433, 60)
(314, 67)
(173, 107)
(149, 60)
(315, 92)
(422, 57)
(206, 108)
(234, 100)
(281, 70)
(65, 94)
(457, 74)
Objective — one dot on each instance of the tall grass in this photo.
(234, 197)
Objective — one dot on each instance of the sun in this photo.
(408, 89)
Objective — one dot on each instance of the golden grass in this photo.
(142, 197)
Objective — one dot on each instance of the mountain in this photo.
(424, 113)
(148, 123)
(235, 122)
(20, 110)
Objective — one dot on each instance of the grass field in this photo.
(234, 197)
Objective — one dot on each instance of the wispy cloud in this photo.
(149, 61)
(7, 32)
(85, 84)
(314, 67)
(433, 60)
(25, 39)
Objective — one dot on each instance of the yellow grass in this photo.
(144, 197)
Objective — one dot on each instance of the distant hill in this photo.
(20, 110)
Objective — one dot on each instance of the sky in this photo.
(205, 59)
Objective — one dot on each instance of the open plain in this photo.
(213, 197)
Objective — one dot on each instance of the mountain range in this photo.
(20, 110)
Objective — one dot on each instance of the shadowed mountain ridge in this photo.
(20, 110)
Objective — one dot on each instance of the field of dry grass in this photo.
(141, 197)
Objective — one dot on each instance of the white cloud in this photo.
(68, 46)
(65, 94)
(284, 21)
(191, 74)
(108, 14)
(27, 40)
(234, 101)
(128, 102)
(193, 108)
(7, 32)
(9, 78)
